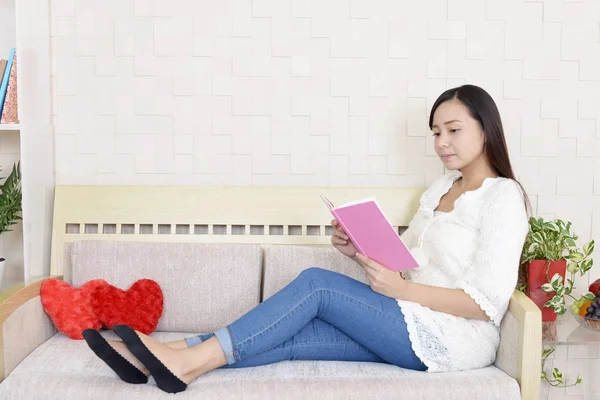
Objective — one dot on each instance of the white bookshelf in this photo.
(36, 135)
(10, 127)
(11, 151)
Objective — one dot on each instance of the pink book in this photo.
(372, 233)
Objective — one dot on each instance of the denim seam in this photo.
(325, 343)
(279, 320)
(366, 305)
(233, 350)
(311, 295)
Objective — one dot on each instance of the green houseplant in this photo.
(549, 253)
(10, 204)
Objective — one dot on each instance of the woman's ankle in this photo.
(203, 358)
(177, 345)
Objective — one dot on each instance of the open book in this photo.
(372, 233)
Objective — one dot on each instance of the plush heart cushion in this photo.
(70, 308)
(140, 306)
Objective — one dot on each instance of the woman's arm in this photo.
(484, 289)
(451, 301)
(391, 284)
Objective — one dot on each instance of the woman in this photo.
(444, 316)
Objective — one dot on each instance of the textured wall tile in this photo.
(62, 8)
(470, 10)
(444, 29)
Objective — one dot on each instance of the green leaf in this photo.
(556, 278)
(547, 352)
(537, 237)
(578, 380)
(589, 247)
(586, 265)
(575, 256)
(546, 287)
(550, 303)
(533, 247)
(589, 296)
(556, 373)
(570, 242)
(10, 200)
(572, 267)
(554, 302)
(557, 281)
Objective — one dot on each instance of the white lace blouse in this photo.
(475, 247)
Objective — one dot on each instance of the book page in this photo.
(359, 201)
(327, 202)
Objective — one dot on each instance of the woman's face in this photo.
(458, 138)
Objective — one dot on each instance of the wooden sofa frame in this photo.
(220, 214)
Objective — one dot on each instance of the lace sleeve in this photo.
(503, 226)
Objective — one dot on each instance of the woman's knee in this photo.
(319, 277)
(316, 274)
(313, 272)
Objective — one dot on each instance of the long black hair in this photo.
(482, 108)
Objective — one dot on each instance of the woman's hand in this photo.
(340, 240)
(382, 280)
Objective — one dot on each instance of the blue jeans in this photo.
(320, 315)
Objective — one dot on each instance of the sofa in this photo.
(189, 241)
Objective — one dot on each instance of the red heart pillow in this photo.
(69, 308)
(140, 306)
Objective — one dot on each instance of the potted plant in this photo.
(10, 205)
(549, 252)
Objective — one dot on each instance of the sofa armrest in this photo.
(520, 351)
(24, 324)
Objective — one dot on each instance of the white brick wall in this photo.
(337, 92)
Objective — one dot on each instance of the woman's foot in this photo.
(164, 363)
(127, 366)
(122, 349)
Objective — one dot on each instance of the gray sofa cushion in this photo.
(284, 262)
(205, 286)
(66, 369)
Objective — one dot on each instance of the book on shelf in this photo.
(2, 67)
(8, 90)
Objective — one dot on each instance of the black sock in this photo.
(165, 379)
(126, 370)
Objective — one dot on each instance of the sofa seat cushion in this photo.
(62, 368)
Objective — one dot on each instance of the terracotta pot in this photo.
(536, 277)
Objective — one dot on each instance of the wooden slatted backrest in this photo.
(210, 214)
